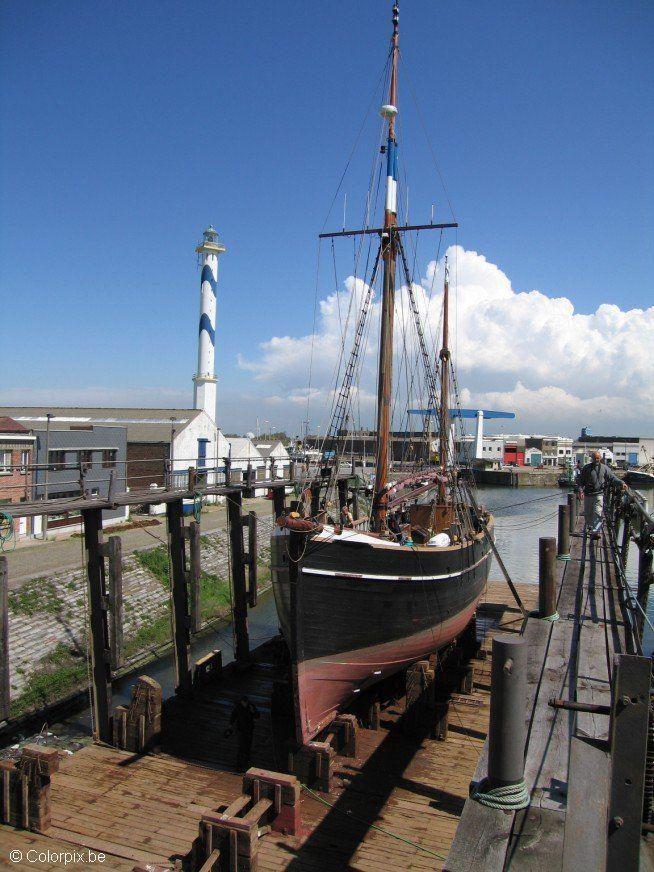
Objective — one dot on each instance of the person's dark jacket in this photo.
(243, 717)
(594, 476)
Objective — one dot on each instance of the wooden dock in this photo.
(398, 801)
(585, 780)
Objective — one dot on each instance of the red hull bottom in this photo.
(326, 684)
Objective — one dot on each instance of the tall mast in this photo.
(389, 254)
(444, 411)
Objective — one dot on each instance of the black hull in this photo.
(361, 612)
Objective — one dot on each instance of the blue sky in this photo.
(127, 127)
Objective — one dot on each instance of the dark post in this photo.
(315, 498)
(342, 492)
(253, 556)
(5, 687)
(547, 578)
(181, 619)
(278, 501)
(234, 506)
(564, 533)
(572, 510)
(195, 572)
(629, 724)
(98, 628)
(116, 613)
(507, 731)
(355, 504)
(626, 533)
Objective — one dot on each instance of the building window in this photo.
(24, 461)
(86, 457)
(57, 458)
(5, 462)
(109, 457)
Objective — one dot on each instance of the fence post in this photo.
(547, 579)
(629, 725)
(98, 627)
(195, 573)
(564, 533)
(507, 730)
(181, 621)
(116, 615)
(5, 686)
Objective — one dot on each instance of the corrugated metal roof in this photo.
(143, 425)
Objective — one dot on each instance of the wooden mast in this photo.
(444, 411)
(389, 254)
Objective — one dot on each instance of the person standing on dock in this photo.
(242, 720)
(592, 479)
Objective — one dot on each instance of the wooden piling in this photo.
(98, 627)
(546, 577)
(195, 572)
(507, 728)
(234, 512)
(572, 511)
(116, 606)
(180, 611)
(5, 686)
(564, 533)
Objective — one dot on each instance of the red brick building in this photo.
(16, 457)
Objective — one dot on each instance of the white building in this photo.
(623, 451)
(279, 460)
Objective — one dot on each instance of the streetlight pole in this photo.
(44, 525)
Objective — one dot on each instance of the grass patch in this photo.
(156, 561)
(215, 598)
(58, 673)
(37, 596)
(147, 636)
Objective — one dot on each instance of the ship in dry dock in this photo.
(359, 599)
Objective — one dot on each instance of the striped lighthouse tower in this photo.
(204, 392)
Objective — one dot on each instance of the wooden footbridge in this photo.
(409, 777)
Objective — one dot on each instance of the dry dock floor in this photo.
(397, 805)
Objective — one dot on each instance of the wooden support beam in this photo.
(5, 687)
(98, 626)
(234, 514)
(195, 571)
(181, 617)
(629, 725)
(114, 553)
(253, 557)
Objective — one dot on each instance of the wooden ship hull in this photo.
(356, 609)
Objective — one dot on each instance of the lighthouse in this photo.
(204, 391)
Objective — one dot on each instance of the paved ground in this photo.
(35, 558)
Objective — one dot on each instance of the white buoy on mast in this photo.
(204, 391)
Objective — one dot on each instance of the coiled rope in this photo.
(507, 796)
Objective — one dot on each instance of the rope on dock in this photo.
(372, 826)
(507, 796)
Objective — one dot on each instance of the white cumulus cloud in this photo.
(517, 350)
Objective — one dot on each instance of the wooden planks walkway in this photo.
(147, 809)
(567, 761)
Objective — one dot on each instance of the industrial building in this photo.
(621, 451)
(16, 456)
(516, 450)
